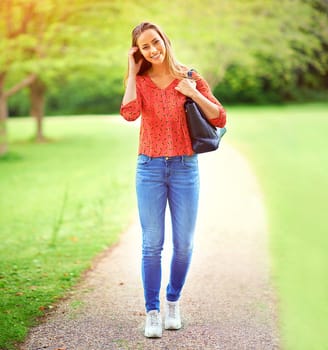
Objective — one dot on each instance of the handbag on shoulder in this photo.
(204, 136)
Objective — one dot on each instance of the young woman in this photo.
(167, 168)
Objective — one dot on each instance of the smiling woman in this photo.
(167, 168)
(152, 47)
(147, 36)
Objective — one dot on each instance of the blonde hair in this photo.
(175, 68)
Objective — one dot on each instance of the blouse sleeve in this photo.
(132, 110)
(205, 90)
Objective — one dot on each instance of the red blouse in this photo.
(163, 129)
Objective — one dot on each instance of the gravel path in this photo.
(227, 303)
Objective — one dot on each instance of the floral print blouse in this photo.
(163, 129)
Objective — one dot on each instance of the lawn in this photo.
(287, 147)
(61, 203)
(64, 201)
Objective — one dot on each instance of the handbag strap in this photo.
(189, 73)
(189, 76)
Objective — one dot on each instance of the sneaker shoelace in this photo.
(172, 311)
(154, 320)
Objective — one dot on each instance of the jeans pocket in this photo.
(143, 159)
(190, 161)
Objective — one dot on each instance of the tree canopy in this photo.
(44, 43)
(243, 48)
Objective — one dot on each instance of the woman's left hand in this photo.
(187, 87)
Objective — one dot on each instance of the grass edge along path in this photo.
(61, 204)
(287, 146)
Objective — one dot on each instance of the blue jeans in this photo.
(162, 180)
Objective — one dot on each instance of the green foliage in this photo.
(53, 38)
(287, 146)
(95, 94)
(18, 104)
(289, 58)
(61, 203)
(276, 57)
(244, 85)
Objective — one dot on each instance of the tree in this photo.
(44, 41)
(11, 33)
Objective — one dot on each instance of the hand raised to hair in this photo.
(134, 66)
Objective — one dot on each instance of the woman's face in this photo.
(152, 46)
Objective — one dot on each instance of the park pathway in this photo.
(228, 302)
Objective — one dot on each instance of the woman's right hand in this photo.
(134, 66)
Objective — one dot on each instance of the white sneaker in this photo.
(172, 315)
(153, 328)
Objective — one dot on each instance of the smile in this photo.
(157, 56)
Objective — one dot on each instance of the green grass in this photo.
(288, 148)
(64, 201)
(61, 203)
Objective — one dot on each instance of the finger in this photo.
(191, 83)
(133, 50)
(189, 80)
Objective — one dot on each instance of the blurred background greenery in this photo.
(69, 58)
(250, 51)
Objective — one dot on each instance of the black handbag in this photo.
(204, 136)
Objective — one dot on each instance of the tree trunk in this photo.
(37, 98)
(3, 117)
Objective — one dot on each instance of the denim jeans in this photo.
(162, 180)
